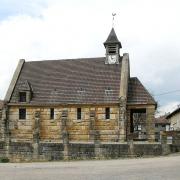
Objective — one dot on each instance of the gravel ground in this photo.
(160, 168)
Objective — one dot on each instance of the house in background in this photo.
(161, 124)
(174, 119)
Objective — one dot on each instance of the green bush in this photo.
(4, 160)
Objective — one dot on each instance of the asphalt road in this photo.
(161, 168)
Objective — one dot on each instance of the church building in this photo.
(80, 99)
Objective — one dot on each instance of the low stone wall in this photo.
(19, 151)
(113, 150)
(175, 148)
(24, 152)
(81, 151)
(129, 150)
(51, 151)
(2, 149)
(148, 150)
(175, 135)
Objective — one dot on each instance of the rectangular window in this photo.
(22, 97)
(22, 113)
(107, 113)
(78, 113)
(52, 113)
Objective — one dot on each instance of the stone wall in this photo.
(1, 124)
(51, 151)
(148, 149)
(150, 126)
(175, 146)
(20, 151)
(2, 149)
(113, 150)
(40, 138)
(23, 152)
(51, 129)
(21, 130)
(82, 151)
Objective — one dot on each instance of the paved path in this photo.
(161, 168)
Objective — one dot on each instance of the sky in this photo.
(149, 30)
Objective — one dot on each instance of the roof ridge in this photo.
(133, 78)
(73, 59)
(173, 112)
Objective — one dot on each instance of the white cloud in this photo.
(148, 30)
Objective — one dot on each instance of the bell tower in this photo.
(112, 45)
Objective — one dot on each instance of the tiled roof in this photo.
(137, 93)
(78, 81)
(161, 120)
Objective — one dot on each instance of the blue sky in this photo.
(18, 7)
(50, 29)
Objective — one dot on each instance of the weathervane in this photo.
(113, 15)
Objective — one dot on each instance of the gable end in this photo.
(14, 80)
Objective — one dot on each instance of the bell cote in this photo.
(112, 45)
